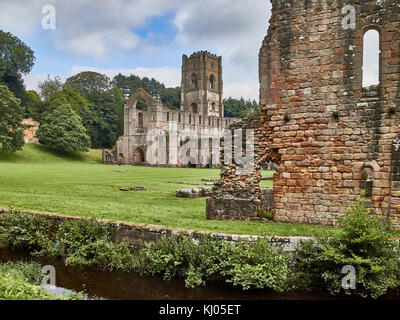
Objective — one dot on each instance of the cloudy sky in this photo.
(144, 37)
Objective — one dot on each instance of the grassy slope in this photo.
(33, 153)
(39, 179)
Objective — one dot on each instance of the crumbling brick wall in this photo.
(315, 115)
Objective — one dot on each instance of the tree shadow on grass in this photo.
(42, 153)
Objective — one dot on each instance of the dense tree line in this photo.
(239, 108)
(170, 97)
(93, 100)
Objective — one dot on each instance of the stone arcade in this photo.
(317, 122)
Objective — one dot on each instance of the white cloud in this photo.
(247, 90)
(235, 30)
(101, 28)
(93, 28)
(32, 80)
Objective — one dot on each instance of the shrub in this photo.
(255, 265)
(73, 234)
(177, 256)
(364, 243)
(246, 264)
(24, 231)
(105, 255)
(21, 281)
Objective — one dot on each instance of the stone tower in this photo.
(202, 84)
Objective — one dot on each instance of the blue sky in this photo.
(144, 37)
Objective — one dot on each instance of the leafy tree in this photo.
(49, 87)
(33, 105)
(15, 56)
(62, 129)
(88, 83)
(11, 127)
(239, 108)
(170, 97)
(68, 96)
(106, 118)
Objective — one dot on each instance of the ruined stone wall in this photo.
(31, 127)
(132, 147)
(315, 116)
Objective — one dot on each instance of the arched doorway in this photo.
(138, 156)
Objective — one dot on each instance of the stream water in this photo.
(131, 286)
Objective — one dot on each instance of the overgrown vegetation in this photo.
(364, 243)
(250, 265)
(21, 281)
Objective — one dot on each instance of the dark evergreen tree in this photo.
(11, 127)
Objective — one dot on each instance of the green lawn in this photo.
(39, 179)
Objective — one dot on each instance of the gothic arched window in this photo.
(194, 81)
(212, 82)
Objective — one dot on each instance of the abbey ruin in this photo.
(317, 122)
(201, 113)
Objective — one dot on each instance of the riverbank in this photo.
(365, 246)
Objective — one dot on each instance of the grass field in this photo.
(40, 179)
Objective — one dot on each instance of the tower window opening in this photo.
(212, 82)
(194, 81)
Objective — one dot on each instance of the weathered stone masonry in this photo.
(316, 120)
(202, 112)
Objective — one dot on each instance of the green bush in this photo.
(24, 231)
(104, 255)
(21, 281)
(364, 243)
(75, 233)
(255, 265)
(246, 264)
(177, 256)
